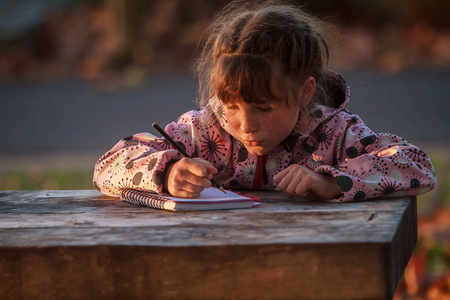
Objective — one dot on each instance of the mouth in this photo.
(252, 143)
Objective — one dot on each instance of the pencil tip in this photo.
(221, 188)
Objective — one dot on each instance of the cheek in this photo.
(232, 121)
(283, 124)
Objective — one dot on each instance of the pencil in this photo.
(181, 150)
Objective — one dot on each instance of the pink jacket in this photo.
(330, 141)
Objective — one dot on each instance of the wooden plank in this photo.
(75, 220)
(400, 249)
(284, 249)
(202, 229)
(220, 272)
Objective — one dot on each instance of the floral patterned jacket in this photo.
(330, 141)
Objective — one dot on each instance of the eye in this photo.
(267, 108)
(231, 107)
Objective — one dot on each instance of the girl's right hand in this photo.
(188, 177)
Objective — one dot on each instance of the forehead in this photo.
(240, 102)
(249, 78)
(279, 106)
(275, 94)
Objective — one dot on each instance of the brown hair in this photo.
(253, 47)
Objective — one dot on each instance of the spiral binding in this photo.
(143, 198)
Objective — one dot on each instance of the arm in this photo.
(139, 161)
(370, 165)
(365, 165)
(144, 161)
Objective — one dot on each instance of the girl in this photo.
(272, 116)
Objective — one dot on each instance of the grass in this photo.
(46, 179)
(440, 195)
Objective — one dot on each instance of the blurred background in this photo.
(78, 75)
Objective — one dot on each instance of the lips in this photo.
(252, 143)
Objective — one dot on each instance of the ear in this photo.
(307, 91)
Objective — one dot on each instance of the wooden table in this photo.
(82, 245)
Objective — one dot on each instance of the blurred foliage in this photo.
(43, 179)
(125, 40)
(379, 13)
(427, 275)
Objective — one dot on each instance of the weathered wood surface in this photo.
(82, 245)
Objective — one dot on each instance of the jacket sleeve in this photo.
(370, 165)
(141, 160)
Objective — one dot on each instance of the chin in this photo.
(258, 151)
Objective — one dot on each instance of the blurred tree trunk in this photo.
(131, 15)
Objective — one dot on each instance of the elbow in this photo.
(101, 181)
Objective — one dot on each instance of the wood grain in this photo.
(83, 245)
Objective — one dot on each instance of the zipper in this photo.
(260, 173)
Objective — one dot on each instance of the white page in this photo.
(211, 194)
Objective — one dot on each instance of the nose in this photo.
(249, 122)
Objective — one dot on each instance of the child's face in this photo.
(261, 127)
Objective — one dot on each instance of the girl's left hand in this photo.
(299, 181)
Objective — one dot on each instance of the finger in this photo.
(284, 184)
(278, 177)
(192, 189)
(186, 166)
(202, 161)
(303, 187)
(185, 194)
(308, 188)
(189, 182)
(284, 177)
(181, 182)
(197, 168)
(293, 184)
(194, 178)
(211, 170)
(290, 178)
(209, 166)
(181, 188)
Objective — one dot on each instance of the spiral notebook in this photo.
(210, 199)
